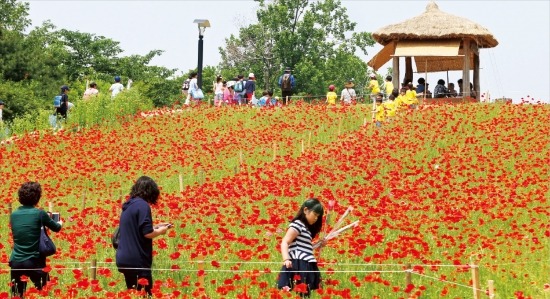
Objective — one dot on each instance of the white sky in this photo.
(518, 67)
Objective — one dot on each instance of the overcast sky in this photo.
(518, 67)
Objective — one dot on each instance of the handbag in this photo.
(115, 237)
(197, 94)
(46, 247)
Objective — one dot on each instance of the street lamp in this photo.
(202, 24)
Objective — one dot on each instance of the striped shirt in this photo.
(301, 248)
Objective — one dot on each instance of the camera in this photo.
(56, 217)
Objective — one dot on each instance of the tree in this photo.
(13, 16)
(86, 53)
(305, 35)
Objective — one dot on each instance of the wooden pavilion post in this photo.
(408, 70)
(466, 71)
(477, 88)
(395, 74)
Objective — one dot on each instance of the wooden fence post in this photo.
(491, 289)
(83, 199)
(201, 275)
(309, 140)
(408, 278)
(274, 151)
(9, 209)
(302, 146)
(475, 281)
(181, 183)
(93, 269)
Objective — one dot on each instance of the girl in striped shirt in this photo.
(300, 271)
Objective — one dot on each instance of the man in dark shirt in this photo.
(287, 83)
(62, 109)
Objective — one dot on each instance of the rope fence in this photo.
(408, 271)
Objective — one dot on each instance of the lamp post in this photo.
(202, 24)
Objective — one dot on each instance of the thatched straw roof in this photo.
(435, 24)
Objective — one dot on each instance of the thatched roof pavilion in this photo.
(438, 41)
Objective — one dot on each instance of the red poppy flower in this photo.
(143, 281)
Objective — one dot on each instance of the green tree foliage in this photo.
(306, 35)
(13, 15)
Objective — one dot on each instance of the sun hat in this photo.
(230, 83)
(287, 69)
(372, 75)
(251, 75)
(349, 85)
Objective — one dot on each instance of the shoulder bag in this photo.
(46, 247)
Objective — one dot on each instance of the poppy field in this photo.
(437, 191)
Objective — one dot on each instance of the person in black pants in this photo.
(134, 254)
(26, 223)
(287, 83)
(62, 109)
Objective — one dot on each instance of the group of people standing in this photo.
(240, 90)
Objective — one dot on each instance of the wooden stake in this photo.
(339, 127)
(93, 269)
(241, 157)
(475, 281)
(309, 140)
(201, 277)
(491, 289)
(274, 150)
(408, 279)
(50, 207)
(302, 146)
(364, 121)
(83, 199)
(9, 208)
(181, 183)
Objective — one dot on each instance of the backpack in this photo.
(286, 85)
(57, 101)
(185, 85)
(238, 86)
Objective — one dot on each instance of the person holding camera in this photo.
(134, 255)
(26, 223)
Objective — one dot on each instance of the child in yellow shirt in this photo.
(390, 107)
(388, 86)
(374, 87)
(411, 99)
(331, 96)
(400, 102)
(380, 111)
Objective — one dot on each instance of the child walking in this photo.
(331, 96)
(218, 91)
(300, 271)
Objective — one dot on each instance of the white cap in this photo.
(251, 75)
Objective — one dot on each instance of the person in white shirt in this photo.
(1, 108)
(116, 88)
